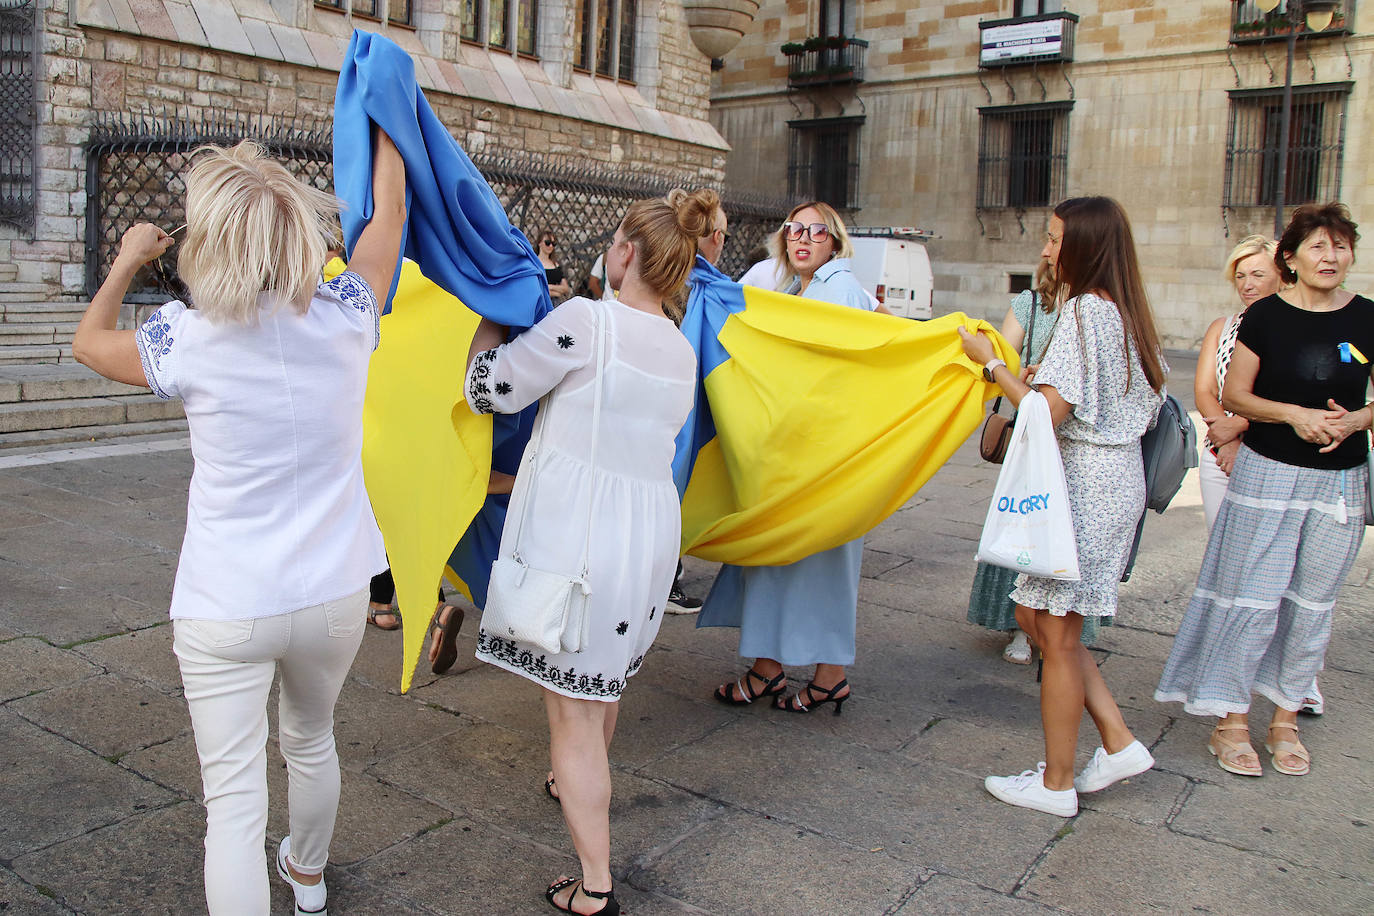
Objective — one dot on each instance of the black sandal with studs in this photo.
(612, 907)
(795, 704)
(771, 688)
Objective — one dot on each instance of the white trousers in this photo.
(227, 669)
(1213, 482)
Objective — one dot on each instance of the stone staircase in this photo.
(48, 398)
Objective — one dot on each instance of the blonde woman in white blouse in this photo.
(280, 541)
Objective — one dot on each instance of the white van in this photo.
(892, 264)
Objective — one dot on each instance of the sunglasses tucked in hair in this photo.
(816, 232)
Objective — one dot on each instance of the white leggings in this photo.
(227, 667)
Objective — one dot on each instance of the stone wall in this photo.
(1148, 126)
(281, 59)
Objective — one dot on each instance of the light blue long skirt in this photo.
(799, 614)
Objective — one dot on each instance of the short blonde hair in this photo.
(1249, 246)
(777, 242)
(252, 228)
(664, 231)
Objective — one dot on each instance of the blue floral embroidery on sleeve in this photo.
(352, 290)
(155, 341)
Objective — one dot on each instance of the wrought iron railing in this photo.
(18, 113)
(135, 167)
(825, 61)
(1250, 24)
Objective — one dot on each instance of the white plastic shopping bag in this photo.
(1029, 527)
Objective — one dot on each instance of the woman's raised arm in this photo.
(378, 248)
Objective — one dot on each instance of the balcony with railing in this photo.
(1251, 25)
(825, 61)
(1044, 38)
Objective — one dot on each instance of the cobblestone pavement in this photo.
(717, 810)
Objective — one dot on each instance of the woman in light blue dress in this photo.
(802, 613)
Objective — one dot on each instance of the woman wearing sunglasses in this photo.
(802, 613)
(559, 287)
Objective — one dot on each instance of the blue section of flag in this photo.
(1344, 350)
(711, 300)
(456, 229)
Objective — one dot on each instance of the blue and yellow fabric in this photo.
(813, 422)
(425, 454)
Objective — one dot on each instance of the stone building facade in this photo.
(617, 82)
(1172, 108)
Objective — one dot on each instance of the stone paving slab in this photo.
(717, 810)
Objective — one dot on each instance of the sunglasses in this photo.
(165, 275)
(549, 242)
(816, 232)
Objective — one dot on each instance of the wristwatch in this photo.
(991, 367)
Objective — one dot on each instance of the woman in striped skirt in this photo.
(1293, 516)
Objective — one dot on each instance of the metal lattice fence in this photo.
(18, 113)
(135, 168)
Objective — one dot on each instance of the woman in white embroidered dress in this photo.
(648, 384)
(280, 541)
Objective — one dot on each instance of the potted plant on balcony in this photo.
(814, 43)
(792, 48)
(836, 42)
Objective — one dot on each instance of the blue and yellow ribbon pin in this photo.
(1349, 351)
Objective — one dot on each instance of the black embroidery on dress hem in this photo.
(652, 610)
(623, 628)
(510, 652)
(565, 341)
(503, 388)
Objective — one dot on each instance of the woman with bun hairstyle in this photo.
(802, 613)
(623, 480)
(1103, 377)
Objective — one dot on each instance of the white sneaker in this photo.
(1314, 704)
(310, 898)
(1105, 769)
(1028, 791)
(1018, 651)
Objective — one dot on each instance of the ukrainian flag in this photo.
(813, 422)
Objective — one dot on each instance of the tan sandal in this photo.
(1228, 753)
(1287, 749)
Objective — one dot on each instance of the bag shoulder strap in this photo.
(537, 438)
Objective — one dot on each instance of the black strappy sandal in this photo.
(612, 907)
(794, 703)
(770, 688)
(548, 789)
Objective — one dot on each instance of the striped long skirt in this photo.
(1260, 618)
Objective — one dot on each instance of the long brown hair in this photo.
(1097, 255)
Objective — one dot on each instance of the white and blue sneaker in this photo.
(1027, 790)
(310, 898)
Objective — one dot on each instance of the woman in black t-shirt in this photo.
(1293, 517)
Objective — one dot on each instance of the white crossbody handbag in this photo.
(535, 606)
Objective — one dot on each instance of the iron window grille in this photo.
(1316, 142)
(135, 168)
(1023, 154)
(823, 161)
(18, 114)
